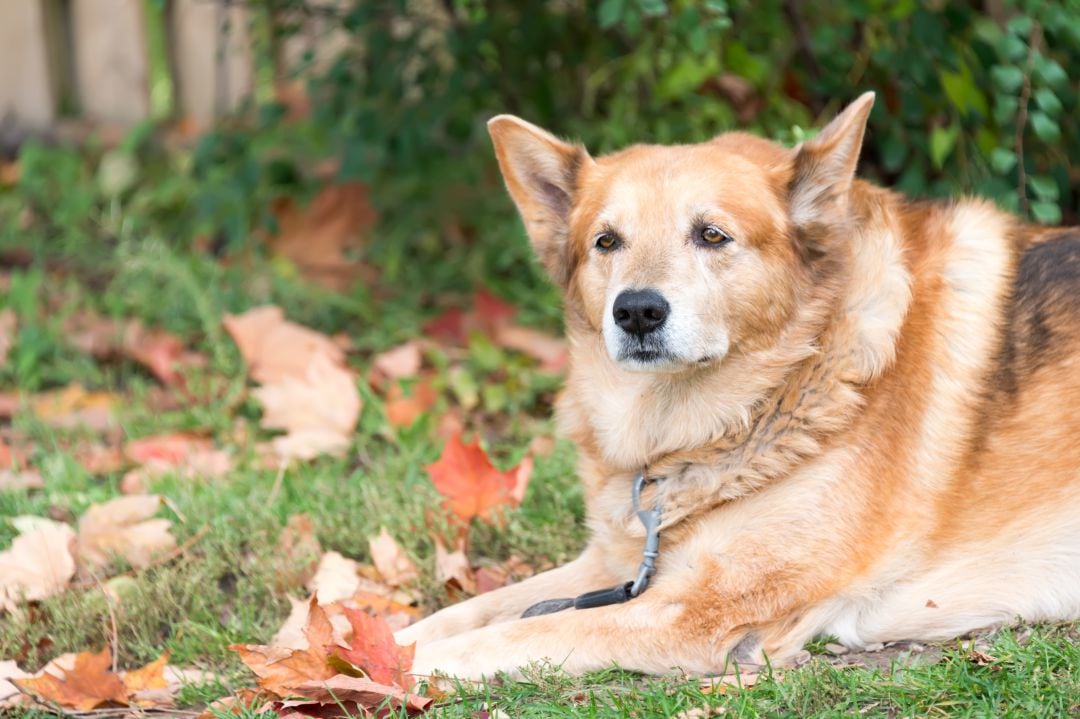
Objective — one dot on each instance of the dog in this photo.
(841, 411)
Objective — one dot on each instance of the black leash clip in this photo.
(651, 518)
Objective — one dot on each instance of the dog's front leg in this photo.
(647, 634)
(588, 572)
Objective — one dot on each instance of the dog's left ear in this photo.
(541, 174)
(825, 167)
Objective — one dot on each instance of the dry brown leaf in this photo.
(98, 458)
(390, 559)
(335, 579)
(316, 237)
(9, 323)
(10, 696)
(11, 479)
(453, 569)
(39, 562)
(275, 348)
(73, 406)
(151, 676)
(87, 685)
(343, 695)
(401, 362)
(298, 551)
(317, 410)
(292, 634)
(398, 615)
(549, 350)
(281, 670)
(123, 527)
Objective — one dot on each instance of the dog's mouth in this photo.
(647, 356)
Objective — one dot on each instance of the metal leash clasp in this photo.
(651, 519)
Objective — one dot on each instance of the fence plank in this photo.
(27, 93)
(212, 57)
(112, 69)
(321, 36)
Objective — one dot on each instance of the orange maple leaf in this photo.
(473, 487)
(87, 685)
(374, 651)
(281, 670)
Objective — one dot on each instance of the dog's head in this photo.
(680, 255)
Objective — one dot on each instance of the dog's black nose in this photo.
(640, 312)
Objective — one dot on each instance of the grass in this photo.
(231, 585)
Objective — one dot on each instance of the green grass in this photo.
(230, 584)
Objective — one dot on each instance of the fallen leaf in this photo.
(164, 354)
(9, 323)
(401, 362)
(453, 569)
(491, 311)
(541, 445)
(351, 696)
(298, 550)
(39, 562)
(246, 702)
(390, 559)
(123, 527)
(185, 455)
(550, 351)
(172, 448)
(10, 696)
(73, 406)
(88, 685)
(471, 484)
(398, 615)
(11, 480)
(316, 237)
(403, 410)
(317, 410)
(275, 348)
(151, 676)
(281, 670)
(98, 459)
(450, 327)
(335, 579)
(373, 650)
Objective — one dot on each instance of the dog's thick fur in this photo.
(865, 409)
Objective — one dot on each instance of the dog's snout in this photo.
(640, 312)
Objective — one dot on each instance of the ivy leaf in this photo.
(1048, 213)
(1008, 78)
(1045, 128)
(610, 13)
(942, 142)
(1044, 187)
(1048, 101)
(1002, 159)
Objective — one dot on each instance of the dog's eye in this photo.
(607, 241)
(713, 236)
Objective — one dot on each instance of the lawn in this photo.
(89, 404)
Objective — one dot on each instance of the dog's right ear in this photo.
(541, 174)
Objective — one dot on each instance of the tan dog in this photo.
(864, 410)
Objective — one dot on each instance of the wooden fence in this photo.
(100, 61)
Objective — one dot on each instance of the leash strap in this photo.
(627, 590)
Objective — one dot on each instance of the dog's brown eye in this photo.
(607, 241)
(713, 235)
